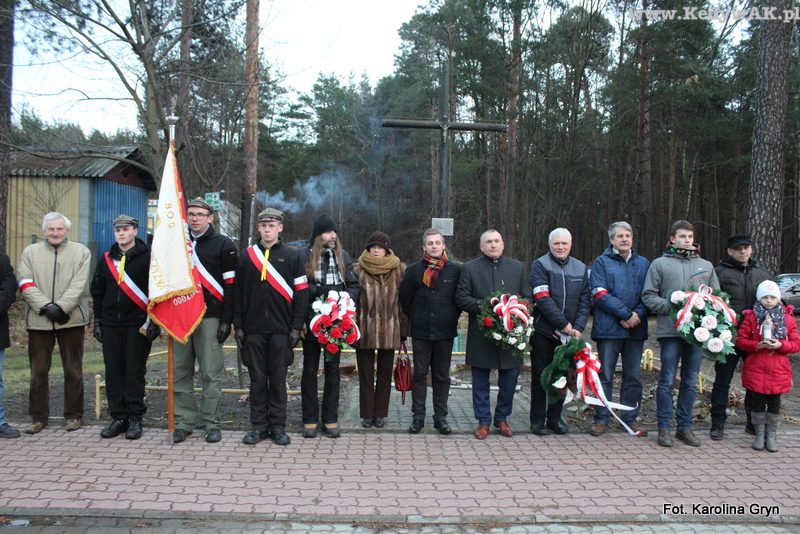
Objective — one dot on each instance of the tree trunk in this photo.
(644, 172)
(509, 212)
(6, 76)
(182, 136)
(767, 178)
(250, 122)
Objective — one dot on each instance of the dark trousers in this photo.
(436, 356)
(308, 384)
(722, 385)
(506, 384)
(373, 396)
(542, 349)
(125, 353)
(267, 357)
(763, 402)
(40, 356)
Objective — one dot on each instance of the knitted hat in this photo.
(323, 223)
(378, 238)
(768, 288)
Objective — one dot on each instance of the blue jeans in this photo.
(630, 393)
(675, 350)
(506, 383)
(2, 388)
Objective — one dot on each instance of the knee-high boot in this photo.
(759, 423)
(771, 440)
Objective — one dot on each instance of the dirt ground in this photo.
(235, 409)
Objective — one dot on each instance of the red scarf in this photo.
(435, 265)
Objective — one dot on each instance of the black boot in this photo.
(134, 429)
(114, 428)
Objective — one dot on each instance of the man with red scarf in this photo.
(427, 296)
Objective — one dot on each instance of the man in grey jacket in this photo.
(679, 268)
(53, 279)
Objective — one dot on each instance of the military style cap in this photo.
(200, 203)
(270, 214)
(125, 220)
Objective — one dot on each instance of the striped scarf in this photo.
(435, 265)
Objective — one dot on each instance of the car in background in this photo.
(789, 284)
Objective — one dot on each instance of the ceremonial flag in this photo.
(176, 297)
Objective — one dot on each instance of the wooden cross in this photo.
(444, 124)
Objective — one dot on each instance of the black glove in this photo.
(54, 312)
(294, 337)
(239, 335)
(223, 331)
(98, 332)
(152, 332)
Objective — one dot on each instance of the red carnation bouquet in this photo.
(334, 324)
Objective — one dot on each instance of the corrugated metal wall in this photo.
(29, 198)
(112, 199)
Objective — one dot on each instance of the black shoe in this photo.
(380, 422)
(558, 426)
(309, 432)
(114, 428)
(331, 432)
(134, 429)
(442, 427)
(213, 435)
(180, 435)
(416, 426)
(540, 429)
(255, 436)
(717, 431)
(366, 423)
(279, 436)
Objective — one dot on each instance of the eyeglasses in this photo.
(191, 215)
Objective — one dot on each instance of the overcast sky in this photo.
(302, 38)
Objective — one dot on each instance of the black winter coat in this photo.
(741, 281)
(8, 294)
(217, 253)
(432, 312)
(480, 278)
(112, 307)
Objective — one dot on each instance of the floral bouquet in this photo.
(334, 324)
(704, 319)
(506, 319)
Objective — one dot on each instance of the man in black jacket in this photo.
(270, 308)
(8, 294)
(739, 275)
(214, 258)
(481, 277)
(329, 268)
(119, 295)
(427, 295)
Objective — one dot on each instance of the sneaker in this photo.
(598, 429)
(687, 436)
(134, 429)
(8, 432)
(72, 425)
(255, 436)
(664, 437)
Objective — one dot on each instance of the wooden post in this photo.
(170, 387)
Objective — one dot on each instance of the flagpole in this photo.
(171, 120)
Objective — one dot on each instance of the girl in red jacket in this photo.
(768, 334)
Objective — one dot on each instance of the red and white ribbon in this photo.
(342, 305)
(587, 366)
(506, 307)
(703, 293)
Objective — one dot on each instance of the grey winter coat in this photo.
(670, 273)
(481, 277)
